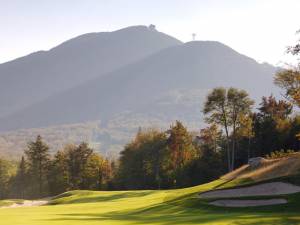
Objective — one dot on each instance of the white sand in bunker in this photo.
(27, 203)
(248, 203)
(266, 189)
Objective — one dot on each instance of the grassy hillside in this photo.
(269, 169)
(182, 206)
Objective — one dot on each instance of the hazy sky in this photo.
(260, 29)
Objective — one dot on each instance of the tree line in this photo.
(160, 159)
(38, 174)
(172, 158)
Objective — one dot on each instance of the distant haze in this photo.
(260, 29)
(138, 69)
(101, 87)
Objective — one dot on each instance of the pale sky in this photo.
(260, 29)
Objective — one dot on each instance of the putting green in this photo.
(182, 206)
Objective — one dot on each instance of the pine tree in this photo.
(58, 176)
(77, 158)
(37, 154)
(4, 178)
(21, 177)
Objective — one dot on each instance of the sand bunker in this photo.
(266, 189)
(248, 203)
(27, 203)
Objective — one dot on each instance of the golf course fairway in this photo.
(181, 206)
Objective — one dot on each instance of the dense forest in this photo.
(172, 158)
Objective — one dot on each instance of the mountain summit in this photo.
(30, 79)
(128, 78)
(170, 83)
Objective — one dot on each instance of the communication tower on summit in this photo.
(152, 27)
(193, 36)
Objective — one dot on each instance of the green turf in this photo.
(171, 207)
(10, 202)
(235, 182)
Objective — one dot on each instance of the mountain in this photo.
(101, 87)
(169, 84)
(33, 78)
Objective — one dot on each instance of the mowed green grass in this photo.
(181, 206)
(10, 202)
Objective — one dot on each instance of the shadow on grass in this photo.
(167, 215)
(179, 208)
(185, 211)
(103, 198)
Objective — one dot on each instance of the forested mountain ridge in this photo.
(154, 81)
(30, 79)
(167, 82)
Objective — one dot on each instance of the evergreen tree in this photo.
(21, 177)
(77, 158)
(37, 154)
(4, 178)
(58, 176)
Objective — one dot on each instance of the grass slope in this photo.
(4, 203)
(180, 206)
(269, 169)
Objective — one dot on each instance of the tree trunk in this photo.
(227, 140)
(40, 178)
(233, 147)
(234, 120)
(249, 140)
(157, 172)
(228, 151)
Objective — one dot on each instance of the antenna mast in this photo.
(193, 36)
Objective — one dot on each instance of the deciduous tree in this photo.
(224, 107)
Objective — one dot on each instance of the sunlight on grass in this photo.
(179, 206)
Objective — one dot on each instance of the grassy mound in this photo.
(275, 170)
